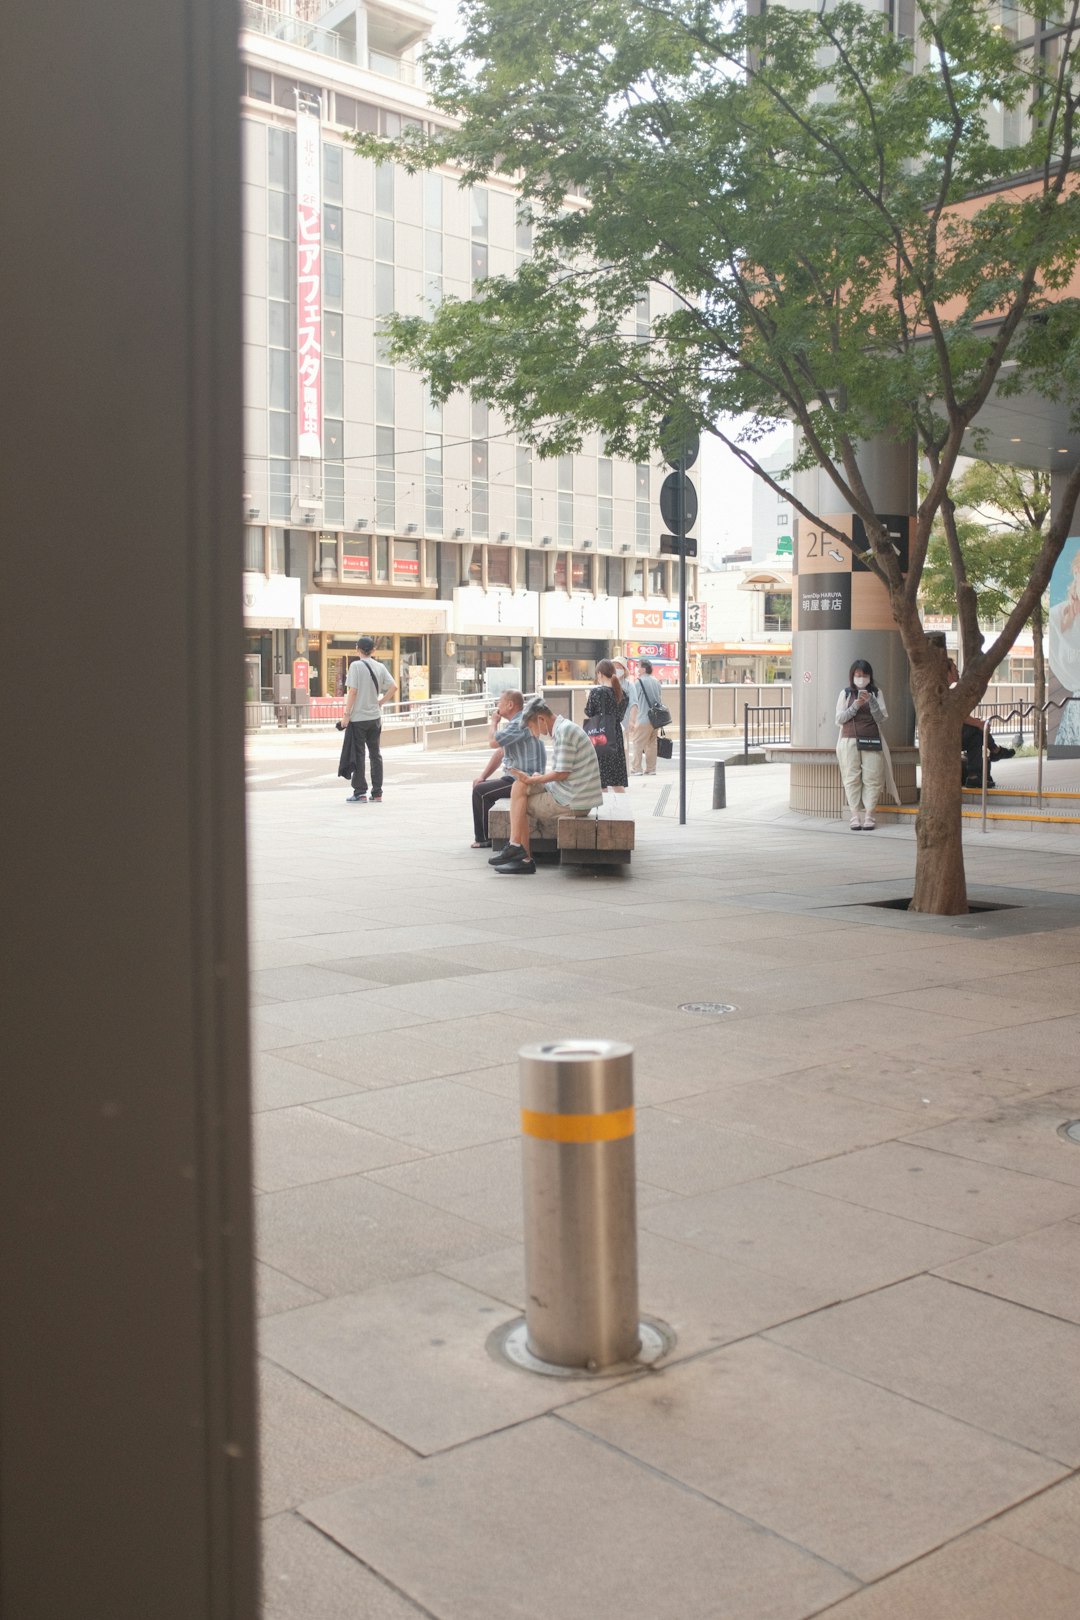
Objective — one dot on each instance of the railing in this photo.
(765, 725)
(295, 31)
(1020, 712)
(421, 716)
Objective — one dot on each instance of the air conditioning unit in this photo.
(586, 545)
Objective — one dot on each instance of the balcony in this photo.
(381, 55)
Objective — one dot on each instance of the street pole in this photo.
(682, 642)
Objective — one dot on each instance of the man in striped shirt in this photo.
(515, 749)
(570, 788)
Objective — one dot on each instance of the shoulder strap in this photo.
(375, 679)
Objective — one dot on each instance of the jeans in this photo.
(366, 735)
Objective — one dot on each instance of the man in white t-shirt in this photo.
(368, 686)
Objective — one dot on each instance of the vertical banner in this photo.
(1063, 724)
(308, 281)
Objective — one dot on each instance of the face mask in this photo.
(862, 680)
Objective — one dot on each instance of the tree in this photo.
(1001, 516)
(825, 206)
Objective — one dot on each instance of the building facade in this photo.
(474, 564)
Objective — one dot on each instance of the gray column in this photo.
(127, 1407)
(821, 658)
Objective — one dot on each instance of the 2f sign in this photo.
(823, 546)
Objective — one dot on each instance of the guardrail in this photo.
(764, 726)
(420, 716)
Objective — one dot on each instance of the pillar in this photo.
(840, 612)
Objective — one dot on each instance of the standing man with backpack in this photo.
(645, 698)
(368, 686)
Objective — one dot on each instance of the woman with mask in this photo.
(860, 748)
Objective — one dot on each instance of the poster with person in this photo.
(1063, 724)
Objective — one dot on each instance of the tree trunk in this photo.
(1040, 674)
(940, 885)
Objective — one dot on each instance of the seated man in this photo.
(515, 749)
(971, 743)
(570, 788)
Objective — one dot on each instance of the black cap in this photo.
(365, 644)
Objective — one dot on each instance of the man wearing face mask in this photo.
(860, 748)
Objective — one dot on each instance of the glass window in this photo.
(384, 188)
(523, 234)
(333, 387)
(328, 554)
(534, 570)
(605, 523)
(560, 571)
(384, 394)
(280, 380)
(285, 93)
(480, 514)
(638, 586)
(641, 474)
(479, 211)
(331, 224)
(279, 269)
(407, 562)
(524, 514)
(384, 289)
(479, 459)
(433, 252)
(499, 565)
(479, 261)
(524, 464)
(479, 419)
(280, 433)
(333, 170)
(356, 559)
(279, 215)
(333, 438)
(566, 472)
(280, 483)
(254, 551)
(475, 566)
(607, 576)
(278, 159)
(391, 121)
(581, 574)
(566, 517)
(332, 282)
(656, 579)
(332, 332)
(603, 476)
(278, 564)
(384, 239)
(385, 480)
(367, 117)
(279, 334)
(382, 558)
(258, 84)
(345, 111)
(433, 201)
(777, 610)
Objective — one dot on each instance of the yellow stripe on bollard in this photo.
(578, 1127)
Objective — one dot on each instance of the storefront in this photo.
(407, 636)
(271, 617)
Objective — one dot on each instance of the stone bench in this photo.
(584, 841)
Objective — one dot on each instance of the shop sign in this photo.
(355, 565)
(407, 565)
(419, 682)
(301, 674)
(308, 282)
(655, 649)
(697, 620)
(655, 619)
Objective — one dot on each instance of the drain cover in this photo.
(718, 1009)
(1070, 1131)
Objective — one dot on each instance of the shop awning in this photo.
(385, 614)
(751, 648)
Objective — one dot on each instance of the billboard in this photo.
(308, 282)
(1063, 725)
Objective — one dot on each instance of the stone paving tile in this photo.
(1046, 1050)
(939, 1189)
(388, 1058)
(435, 1116)
(1021, 1136)
(274, 1292)
(1048, 1525)
(305, 980)
(277, 1082)
(355, 1013)
(916, 1086)
(789, 1232)
(995, 1365)
(402, 967)
(350, 1233)
(294, 1146)
(411, 1358)
(759, 1429)
(485, 1040)
(305, 1577)
(568, 1528)
(979, 1577)
(825, 1123)
(691, 1155)
(439, 999)
(991, 1010)
(309, 1445)
(1040, 1270)
(706, 1301)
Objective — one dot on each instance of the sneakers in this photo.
(509, 852)
(1002, 753)
(520, 868)
(376, 798)
(356, 798)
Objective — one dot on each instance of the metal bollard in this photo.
(577, 1121)
(719, 785)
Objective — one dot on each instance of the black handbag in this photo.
(868, 744)
(659, 713)
(664, 747)
(597, 728)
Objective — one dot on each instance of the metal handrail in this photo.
(778, 732)
(1022, 711)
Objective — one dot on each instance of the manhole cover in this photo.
(717, 1009)
(1070, 1131)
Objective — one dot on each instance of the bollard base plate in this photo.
(510, 1343)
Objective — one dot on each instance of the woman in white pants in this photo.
(860, 747)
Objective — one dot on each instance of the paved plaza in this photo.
(856, 1213)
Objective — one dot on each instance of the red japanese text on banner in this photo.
(308, 284)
